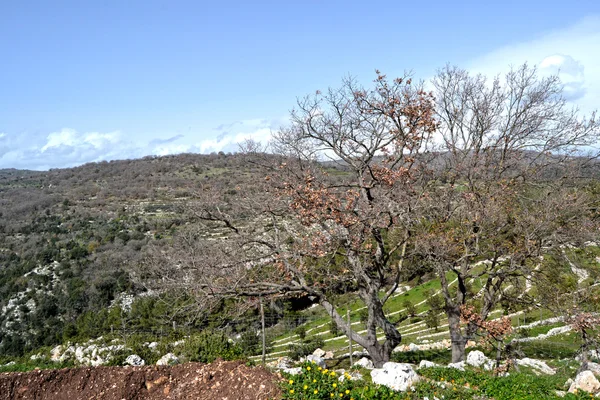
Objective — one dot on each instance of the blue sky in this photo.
(85, 81)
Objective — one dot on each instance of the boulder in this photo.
(477, 359)
(168, 359)
(316, 360)
(396, 376)
(459, 365)
(413, 347)
(364, 363)
(427, 364)
(135, 360)
(329, 355)
(536, 365)
(319, 353)
(585, 381)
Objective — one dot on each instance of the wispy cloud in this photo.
(69, 147)
(573, 53)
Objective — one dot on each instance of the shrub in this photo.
(333, 328)
(301, 332)
(304, 348)
(207, 346)
(409, 308)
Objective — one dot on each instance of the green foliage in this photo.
(251, 344)
(415, 357)
(207, 346)
(300, 331)
(333, 328)
(409, 307)
(304, 348)
(315, 383)
(432, 320)
(515, 386)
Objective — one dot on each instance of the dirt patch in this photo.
(221, 380)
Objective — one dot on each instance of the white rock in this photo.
(316, 360)
(292, 371)
(152, 345)
(79, 354)
(134, 360)
(98, 361)
(459, 365)
(55, 353)
(413, 347)
(396, 376)
(536, 364)
(477, 359)
(594, 367)
(585, 381)
(365, 363)
(168, 359)
(319, 353)
(328, 355)
(427, 364)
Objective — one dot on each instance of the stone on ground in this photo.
(396, 376)
(585, 381)
(168, 359)
(365, 363)
(135, 360)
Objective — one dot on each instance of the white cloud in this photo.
(71, 138)
(573, 53)
(69, 147)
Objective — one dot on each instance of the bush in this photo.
(333, 328)
(208, 345)
(304, 348)
(301, 332)
(409, 307)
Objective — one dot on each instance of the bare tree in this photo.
(305, 232)
(503, 187)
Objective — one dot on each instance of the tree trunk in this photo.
(379, 355)
(457, 339)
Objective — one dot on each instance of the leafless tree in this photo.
(504, 187)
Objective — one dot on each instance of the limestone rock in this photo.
(536, 365)
(319, 353)
(365, 363)
(427, 364)
(292, 371)
(477, 359)
(459, 365)
(135, 360)
(396, 376)
(168, 359)
(585, 381)
(594, 367)
(316, 360)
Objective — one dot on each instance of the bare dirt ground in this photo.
(217, 381)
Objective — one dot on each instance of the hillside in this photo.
(68, 235)
(69, 239)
